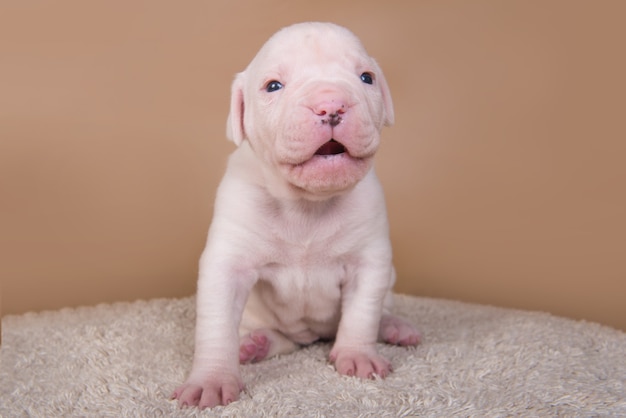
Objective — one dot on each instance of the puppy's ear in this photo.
(234, 124)
(388, 115)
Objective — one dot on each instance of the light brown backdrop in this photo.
(504, 173)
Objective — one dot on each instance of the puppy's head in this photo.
(312, 104)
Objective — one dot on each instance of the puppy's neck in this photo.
(304, 208)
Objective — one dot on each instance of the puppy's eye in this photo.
(367, 78)
(273, 86)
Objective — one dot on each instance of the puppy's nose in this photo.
(330, 111)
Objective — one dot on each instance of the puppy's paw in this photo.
(360, 363)
(216, 390)
(397, 331)
(254, 347)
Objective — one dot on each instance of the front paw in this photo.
(363, 363)
(212, 391)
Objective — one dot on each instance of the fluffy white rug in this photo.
(125, 359)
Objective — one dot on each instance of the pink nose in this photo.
(330, 111)
(329, 107)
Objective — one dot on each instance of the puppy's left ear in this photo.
(234, 124)
(388, 115)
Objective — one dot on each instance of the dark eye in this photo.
(367, 78)
(273, 86)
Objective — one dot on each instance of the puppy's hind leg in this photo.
(263, 343)
(397, 331)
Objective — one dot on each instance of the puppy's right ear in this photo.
(234, 124)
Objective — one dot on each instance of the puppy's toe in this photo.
(363, 364)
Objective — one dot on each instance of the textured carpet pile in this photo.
(125, 359)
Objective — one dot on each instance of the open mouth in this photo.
(331, 147)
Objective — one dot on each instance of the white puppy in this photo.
(299, 247)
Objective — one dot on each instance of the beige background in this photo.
(504, 172)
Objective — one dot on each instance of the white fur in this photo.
(299, 248)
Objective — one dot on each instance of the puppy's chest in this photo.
(310, 242)
(308, 257)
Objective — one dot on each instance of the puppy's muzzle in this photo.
(331, 113)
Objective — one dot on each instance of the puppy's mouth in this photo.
(331, 147)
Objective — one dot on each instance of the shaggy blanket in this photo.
(125, 359)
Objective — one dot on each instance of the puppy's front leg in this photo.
(222, 292)
(354, 352)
